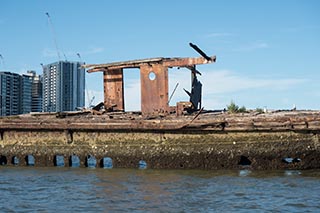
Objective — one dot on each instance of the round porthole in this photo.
(152, 76)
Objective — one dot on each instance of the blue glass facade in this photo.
(16, 95)
(63, 86)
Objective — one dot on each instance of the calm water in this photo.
(35, 189)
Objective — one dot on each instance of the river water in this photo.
(37, 189)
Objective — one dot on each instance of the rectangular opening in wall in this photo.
(132, 89)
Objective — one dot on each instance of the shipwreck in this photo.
(161, 136)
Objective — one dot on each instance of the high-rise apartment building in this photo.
(36, 90)
(26, 96)
(63, 86)
(16, 93)
(10, 93)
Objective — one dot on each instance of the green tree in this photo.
(234, 108)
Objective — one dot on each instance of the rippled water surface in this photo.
(32, 189)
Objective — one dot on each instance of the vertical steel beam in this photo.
(154, 88)
(113, 90)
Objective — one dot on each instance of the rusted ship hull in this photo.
(206, 141)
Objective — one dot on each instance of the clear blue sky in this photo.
(268, 52)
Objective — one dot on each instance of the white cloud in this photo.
(132, 95)
(52, 53)
(49, 53)
(225, 81)
(70, 54)
(251, 47)
(221, 34)
(217, 84)
(296, 29)
(95, 96)
(27, 67)
(93, 50)
(222, 82)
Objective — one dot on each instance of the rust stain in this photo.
(113, 90)
(154, 89)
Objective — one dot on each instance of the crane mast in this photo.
(54, 37)
(89, 99)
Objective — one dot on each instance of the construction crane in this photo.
(2, 61)
(90, 100)
(54, 37)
